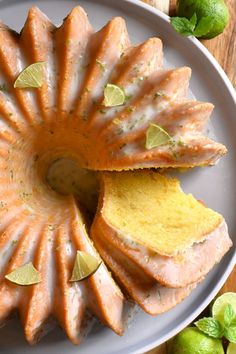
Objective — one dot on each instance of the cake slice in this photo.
(151, 296)
(169, 234)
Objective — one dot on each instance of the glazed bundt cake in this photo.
(73, 102)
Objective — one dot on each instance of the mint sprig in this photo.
(230, 334)
(229, 315)
(219, 329)
(210, 326)
(193, 26)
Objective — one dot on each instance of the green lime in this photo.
(192, 341)
(32, 76)
(24, 275)
(215, 9)
(231, 348)
(113, 96)
(84, 266)
(156, 136)
(218, 307)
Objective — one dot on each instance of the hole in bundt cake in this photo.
(65, 176)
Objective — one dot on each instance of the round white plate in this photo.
(215, 185)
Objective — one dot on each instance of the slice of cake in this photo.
(151, 296)
(173, 237)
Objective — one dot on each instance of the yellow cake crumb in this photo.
(152, 210)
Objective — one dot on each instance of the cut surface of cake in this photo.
(56, 131)
(147, 205)
(167, 233)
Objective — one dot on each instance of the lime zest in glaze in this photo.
(3, 88)
(113, 96)
(156, 136)
(84, 266)
(32, 76)
(116, 121)
(101, 64)
(24, 275)
(159, 93)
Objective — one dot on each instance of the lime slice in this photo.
(24, 275)
(113, 96)
(84, 266)
(156, 136)
(32, 76)
(231, 348)
(218, 307)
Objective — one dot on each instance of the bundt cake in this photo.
(73, 102)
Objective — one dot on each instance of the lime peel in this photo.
(24, 275)
(84, 266)
(192, 341)
(32, 76)
(113, 96)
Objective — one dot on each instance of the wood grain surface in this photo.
(223, 47)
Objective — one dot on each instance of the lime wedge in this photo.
(156, 136)
(218, 307)
(231, 348)
(24, 275)
(32, 76)
(84, 266)
(113, 96)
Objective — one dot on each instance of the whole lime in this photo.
(215, 9)
(192, 341)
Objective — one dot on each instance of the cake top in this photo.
(75, 93)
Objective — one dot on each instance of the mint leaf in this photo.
(229, 315)
(182, 25)
(204, 26)
(210, 326)
(195, 27)
(230, 334)
(193, 20)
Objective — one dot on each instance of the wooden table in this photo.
(223, 48)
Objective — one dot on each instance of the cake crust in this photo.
(175, 272)
(140, 287)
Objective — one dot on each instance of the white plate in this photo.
(215, 185)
